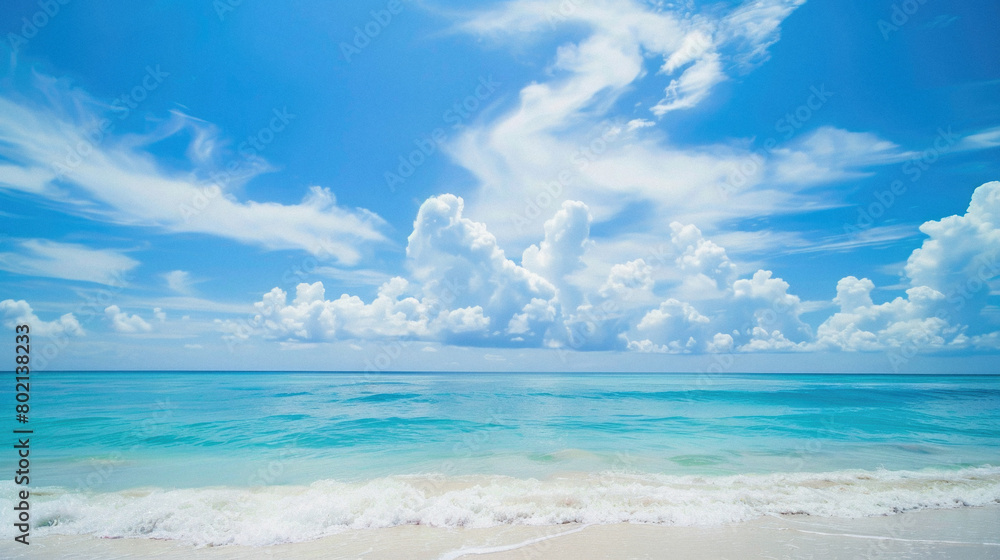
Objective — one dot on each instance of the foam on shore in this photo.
(286, 514)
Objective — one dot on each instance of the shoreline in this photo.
(962, 533)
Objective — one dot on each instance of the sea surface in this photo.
(262, 458)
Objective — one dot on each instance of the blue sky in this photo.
(556, 185)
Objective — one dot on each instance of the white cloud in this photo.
(691, 87)
(962, 253)
(830, 154)
(762, 340)
(464, 291)
(33, 180)
(70, 261)
(647, 346)
(114, 179)
(19, 312)
(706, 265)
(124, 323)
(311, 317)
(638, 123)
(630, 281)
(567, 236)
(565, 138)
(752, 314)
(861, 325)
(753, 27)
(950, 275)
(989, 341)
(986, 139)
(720, 343)
(458, 263)
(674, 323)
(766, 300)
(179, 281)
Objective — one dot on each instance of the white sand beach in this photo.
(964, 533)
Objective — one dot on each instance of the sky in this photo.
(556, 185)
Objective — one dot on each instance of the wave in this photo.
(281, 514)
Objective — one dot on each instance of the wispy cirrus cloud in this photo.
(565, 138)
(69, 261)
(58, 149)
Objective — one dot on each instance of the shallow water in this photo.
(209, 457)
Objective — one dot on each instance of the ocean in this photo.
(258, 458)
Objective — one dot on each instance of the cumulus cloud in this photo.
(860, 325)
(766, 301)
(754, 314)
(674, 323)
(705, 266)
(19, 312)
(567, 236)
(391, 314)
(458, 263)
(961, 255)
(309, 316)
(463, 290)
(123, 322)
(950, 274)
(632, 280)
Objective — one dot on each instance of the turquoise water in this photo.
(167, 428)
(145, 446)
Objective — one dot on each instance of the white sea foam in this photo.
(277, 514)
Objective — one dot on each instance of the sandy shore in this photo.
(968, 533)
